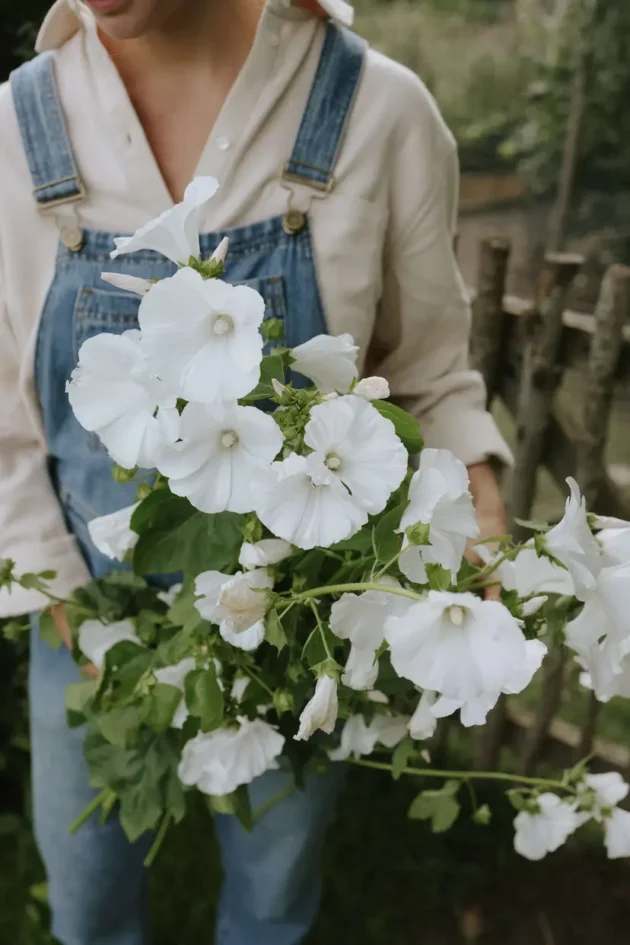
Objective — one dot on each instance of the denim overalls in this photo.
(96, 879)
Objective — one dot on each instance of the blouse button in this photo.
(222, 143)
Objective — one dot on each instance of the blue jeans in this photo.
(97, 880)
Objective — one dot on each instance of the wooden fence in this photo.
(523, 349)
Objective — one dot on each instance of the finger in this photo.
(90, 670)
(492, 592)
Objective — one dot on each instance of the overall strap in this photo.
(328, 109)
(45, 138)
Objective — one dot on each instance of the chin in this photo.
(129, 19)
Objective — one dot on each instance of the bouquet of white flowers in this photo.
(322, 596)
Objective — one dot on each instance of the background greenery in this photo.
(501, 71)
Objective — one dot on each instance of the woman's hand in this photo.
(58, 613)
(490, 511)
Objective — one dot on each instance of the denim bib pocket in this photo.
(101, 310)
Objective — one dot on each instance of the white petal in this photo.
(262, 553)
(572, 543)
(97, 638)
(391, 729)
(423, 722)
(329, 361)
(112, 534)
(372, 388)
(356, 739)
(175, 675)
(248, 640)
(128, 283)
(610, 788)
(219, 762)
(617, 834)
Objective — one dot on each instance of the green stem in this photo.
(254, 675)
(487, 571)
(159, 839)
(387, 566)
(313, 607)
(103, 797)
(464, 775)
(346, 588)
(280, 796)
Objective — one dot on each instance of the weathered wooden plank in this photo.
(488, 316)
(539, 378)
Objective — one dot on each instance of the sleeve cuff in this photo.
(62, 556)
(472, 435)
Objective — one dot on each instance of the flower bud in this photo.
(532, 606)
(372, 388)
(277, 386)
(220, 253)
(418, 534)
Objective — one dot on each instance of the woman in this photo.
(338, 192)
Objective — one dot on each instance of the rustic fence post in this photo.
(488, 317)
(542, 371)
(611, 314)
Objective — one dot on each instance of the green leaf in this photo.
(78, 696)
(400, 758)
(440, 807)
(361, 542)
(273, 367)
(120, 726)
(274, 631)
(406, 426)
(159, 708)
(204, 697)
(483, 815)
(386, 543)
(183, 539)
(151, 509)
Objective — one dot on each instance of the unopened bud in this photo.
(530, 607)
(277, 386)
(372, 388)
(128, 283)
(418, 534)
(282, 701)
(220, 253)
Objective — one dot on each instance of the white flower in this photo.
(129, 283)
(220, 761)
(439, 498)
(600, 634)
(175, 233)
(302, 501)
(321, 711)
(222, 452)
(528, 574)
(457, 645)
(609, 790)
(220, 253)
(423, 722)
(237, 603)
(113, 393)
(360, 447)
(617, 834)
(201, 336)
(361, 619)
(372, 388)
(97, 638)
(573, 544)
(358, 738)
(330, 361)
(545, 831)
(169, 597)
(176, 676)
(391, 729)
(263, 553)
(112, 534)
(474, 711)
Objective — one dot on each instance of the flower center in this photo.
(457, 615)
(332, 462)
(223, 325)
(228, 439)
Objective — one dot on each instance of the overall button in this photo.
(293, 221)
(72, 238)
